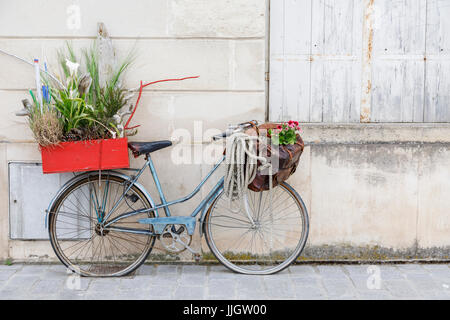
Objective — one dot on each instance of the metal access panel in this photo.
(30, 192)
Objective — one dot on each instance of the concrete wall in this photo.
(376, 191)
(373, 191)
(222, 41)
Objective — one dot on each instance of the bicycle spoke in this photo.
(271, 243)
(80, 239)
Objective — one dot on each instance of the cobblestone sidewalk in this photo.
(402, 281)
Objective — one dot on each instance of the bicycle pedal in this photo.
(174, 230)
(179, 231)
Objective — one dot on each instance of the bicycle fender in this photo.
(93, 173)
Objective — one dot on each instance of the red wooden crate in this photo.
(85, 156)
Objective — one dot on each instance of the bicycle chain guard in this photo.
(172, 237)
(159, 224)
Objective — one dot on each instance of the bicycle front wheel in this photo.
(263, 241)
(82, 243)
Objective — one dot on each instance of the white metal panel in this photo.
(277, 27)
(276, 91)
(276, 61)
(296, 90)
(315, 60)
(438, 27)
(30, 194)
(437, 102)
(336, 61)
(368, 61)
(333, 91)
(333, 27)
(437, 84)
(289, 60)
(398, 90)
(398, 61)
(297, 27)
(399, 26)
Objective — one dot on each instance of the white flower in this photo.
(73, 67)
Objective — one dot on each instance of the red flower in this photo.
(296, 123)
(279, 127)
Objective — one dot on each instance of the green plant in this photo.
(109, 103)
(70, 104)
(65, 54)
(80, 107)
(107, 99)
(91, 61)
(8, 262)
(285, 133)
(86, 108)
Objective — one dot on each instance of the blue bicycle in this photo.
(106, 224)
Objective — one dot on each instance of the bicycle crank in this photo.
(176, 239)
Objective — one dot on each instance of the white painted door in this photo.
(360, 60)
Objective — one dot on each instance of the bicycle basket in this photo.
(287, 156)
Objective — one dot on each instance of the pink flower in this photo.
(292, 125)
(296, 123)
(290, 122)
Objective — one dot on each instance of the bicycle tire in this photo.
(114, 266)
(238, 265)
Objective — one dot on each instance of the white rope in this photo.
(240, 170)
(241, 164)
(240, 167)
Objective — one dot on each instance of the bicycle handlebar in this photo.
(234, 129)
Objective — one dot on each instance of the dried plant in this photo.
(46, 127)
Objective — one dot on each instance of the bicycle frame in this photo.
(189, 221)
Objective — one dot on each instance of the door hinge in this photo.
(267, 76)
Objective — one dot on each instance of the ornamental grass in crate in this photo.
(77, 118)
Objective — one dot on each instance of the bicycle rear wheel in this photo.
(80, 241)
(270, 244)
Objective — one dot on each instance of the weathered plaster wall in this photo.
(222, 41)
(372, 191)
(376, 191)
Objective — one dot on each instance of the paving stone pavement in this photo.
(303, 282)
